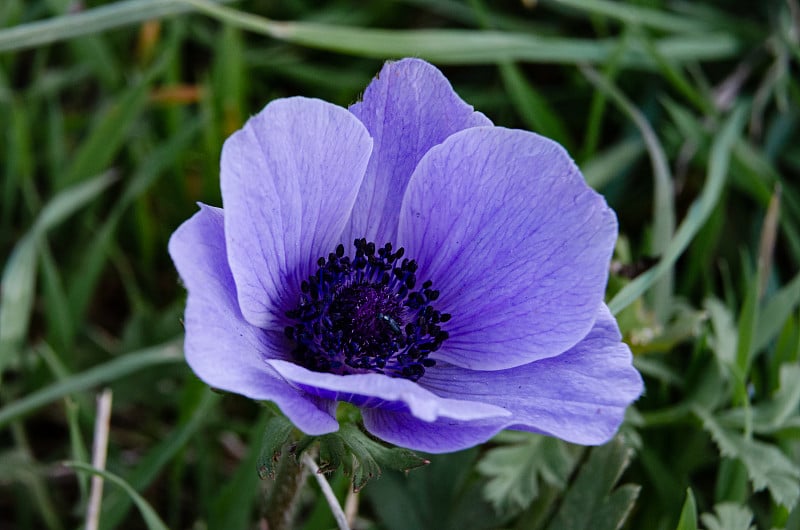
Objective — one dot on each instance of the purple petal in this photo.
(372, 390)
(518, 245)
(579, 396)
(289, 180)
(442, 436)
(223, 349)
(408, 108)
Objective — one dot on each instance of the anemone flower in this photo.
(444, 275)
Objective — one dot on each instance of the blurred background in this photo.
(683, 114)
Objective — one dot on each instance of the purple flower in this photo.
(444, 275)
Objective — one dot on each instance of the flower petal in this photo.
(579, 396)
(408, 108)
(373, 390)
(517, 244)
(442, 436)
(289, 180)
(223, 349)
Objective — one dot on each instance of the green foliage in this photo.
(358, 455)
(688, 520)
(592, 501)
(19, 274)
(767, 466)
(684, 115)
(728, 516)
(515, 469)
(276, 435)
(150, 516)
(442, 496)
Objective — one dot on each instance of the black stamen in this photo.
(362, 315)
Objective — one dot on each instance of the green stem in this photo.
(282, 499)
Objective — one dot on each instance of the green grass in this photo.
(685, 115)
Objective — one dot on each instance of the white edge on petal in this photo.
(422, 403)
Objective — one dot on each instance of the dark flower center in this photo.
(363, 315)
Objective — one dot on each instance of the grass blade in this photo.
(149, 515)
(695, 218)
(454, 46)
(18, 283)
(688, 520)
(663, 203)
(635, 15)
(102, 374)
(88, 22)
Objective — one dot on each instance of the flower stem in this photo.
(327, 491)
(282, 500)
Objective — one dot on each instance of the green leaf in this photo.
(591, 502)
(728, 516)
(688, 520)
(696, 217)
(636, 15)
(359, 455)
(533, 108)
(104, 373)
(107, 134)
(82, 284)
(333, 454)
(748, 320)
(766, 465)
(365, 466)
(17, 290)
(443, 496)
(775, 312)
(782, 411)
(149, 515)
(369, 455)
(663, 193)
(514, 471)
(18, 284)
(18, 467)
(456, 46)
(234, 504)
(153, 462)
(87, 22)
(276, 434)
(604, 166)
(724, 338)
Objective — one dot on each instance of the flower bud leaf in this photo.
(332, 453)
(370, 455)
(276, 435)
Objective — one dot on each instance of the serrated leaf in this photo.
(782, 411)
(332, 453)
(514, 471)
(590, 503)
(365, 466)
(688, 520)
(276, 434)
(728, 516)
(398, 458)
(766, 465)
(369, 455)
